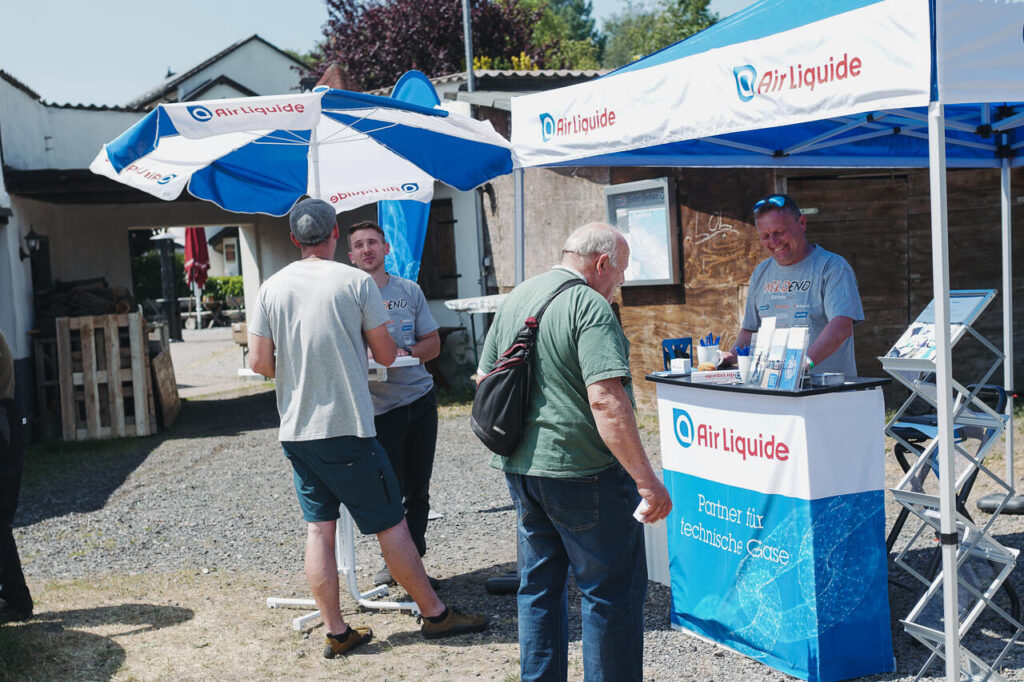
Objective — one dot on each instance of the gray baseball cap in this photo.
(312, 220)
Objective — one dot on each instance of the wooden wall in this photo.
(878, 220)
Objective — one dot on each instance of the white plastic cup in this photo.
(743, 364)
(679, 365)
(708, 354)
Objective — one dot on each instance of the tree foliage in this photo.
(641, 29)
(379, 40)
(567, 34)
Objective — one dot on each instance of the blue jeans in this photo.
(585, 524)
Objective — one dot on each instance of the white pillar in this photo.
(249, 255)
(519, 231)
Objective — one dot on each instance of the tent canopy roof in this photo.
(806, 83)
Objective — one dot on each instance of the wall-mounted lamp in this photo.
(32, 241)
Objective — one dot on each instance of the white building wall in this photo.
(221, 91)
(15, 273)
(38, 136)
(275, 75)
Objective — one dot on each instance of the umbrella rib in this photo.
(291, 138)
(358, 134)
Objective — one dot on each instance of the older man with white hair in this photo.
(581, 468)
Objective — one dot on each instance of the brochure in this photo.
(793, 364)
(776, 359)
(760, 354)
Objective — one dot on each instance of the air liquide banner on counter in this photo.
(776, 537)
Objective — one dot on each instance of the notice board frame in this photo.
(654, 254)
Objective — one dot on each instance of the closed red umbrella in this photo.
(197, 258)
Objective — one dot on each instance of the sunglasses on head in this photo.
(776, 200)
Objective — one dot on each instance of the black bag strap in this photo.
(561, 287)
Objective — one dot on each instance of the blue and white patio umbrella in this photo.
(263, 154)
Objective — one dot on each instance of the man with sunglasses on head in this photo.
(802, 285)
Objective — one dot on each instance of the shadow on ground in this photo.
(50, 648)
(65, 477)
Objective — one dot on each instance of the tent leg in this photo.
(1007, 225)
(944, 387)
(519, 232)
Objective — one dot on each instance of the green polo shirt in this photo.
(579, 342)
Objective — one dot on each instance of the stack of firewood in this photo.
(80, 298)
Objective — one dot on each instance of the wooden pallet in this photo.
(105, 386)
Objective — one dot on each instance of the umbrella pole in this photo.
(944, 388)
(199, 304)
(314, 162)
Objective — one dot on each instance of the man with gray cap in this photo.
(322, 315)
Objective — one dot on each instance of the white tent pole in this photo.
(314, 161)
(519, 231)
(944, 387)
(1007, 312)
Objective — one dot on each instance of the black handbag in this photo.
(503, 394)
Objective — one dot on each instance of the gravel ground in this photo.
(214, 493)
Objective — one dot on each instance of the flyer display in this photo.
(776, 536)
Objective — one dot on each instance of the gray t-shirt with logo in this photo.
(316, 312)
(807, 294)
(410, 319)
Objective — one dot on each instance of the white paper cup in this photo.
(743, 364)
(708, 354)
(680, 365)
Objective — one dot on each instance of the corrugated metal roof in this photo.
(532, 75)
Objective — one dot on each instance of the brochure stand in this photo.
(983, 563)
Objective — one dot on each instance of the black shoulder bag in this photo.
(503, 395)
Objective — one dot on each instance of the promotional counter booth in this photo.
(776, 538)
(827, 84)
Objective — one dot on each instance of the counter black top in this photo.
(851, 384)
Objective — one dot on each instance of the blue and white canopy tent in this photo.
(818, 83)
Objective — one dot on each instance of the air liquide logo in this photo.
(405, 187)
(799, 76)
(547, 127)
(203, 115)
(683, 427)
(575, 123)
(727, 438)
(200, 113)
(745, 76)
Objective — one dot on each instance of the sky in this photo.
(112, 51)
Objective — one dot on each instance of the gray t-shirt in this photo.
(410, 320)
(807, 294)
(316, 312)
